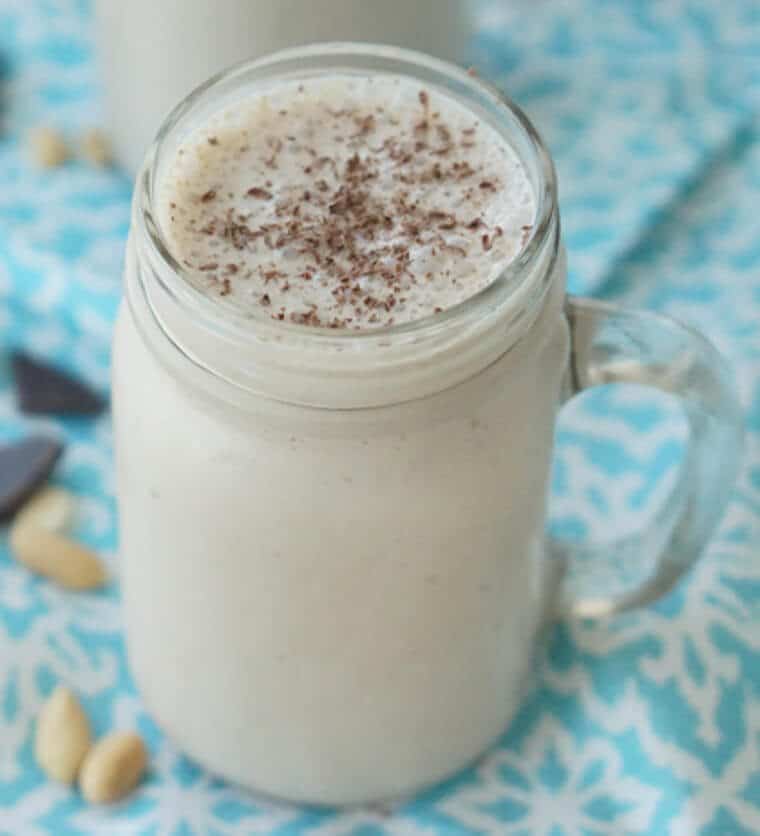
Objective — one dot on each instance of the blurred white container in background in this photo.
(153, 52)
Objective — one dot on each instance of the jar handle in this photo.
(613, 345)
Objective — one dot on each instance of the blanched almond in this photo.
(48, 147)
(96, 148)
(63, 736)
(113, 767)
(50, 508)
(64, 561)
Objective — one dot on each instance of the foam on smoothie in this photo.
(345, 202)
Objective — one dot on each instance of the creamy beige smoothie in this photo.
(350, 203)
(333, 578)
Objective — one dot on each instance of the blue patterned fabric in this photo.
(645, 724)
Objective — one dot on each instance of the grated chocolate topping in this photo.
(347, 203)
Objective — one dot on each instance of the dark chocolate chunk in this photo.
(24, 466)
(44, 390)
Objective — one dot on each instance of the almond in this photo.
(113, 767)
(95, 148)
(63, 736)
(48, 147)
(50, 508)
(64, 561)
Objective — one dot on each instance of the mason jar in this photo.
(333, 549)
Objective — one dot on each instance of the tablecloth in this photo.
(643, 724)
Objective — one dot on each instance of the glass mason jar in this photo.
(333, 553)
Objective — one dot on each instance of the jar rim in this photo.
(302, 61)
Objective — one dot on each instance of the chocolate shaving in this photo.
(260, 193)
(359, 243)
(365, 125)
